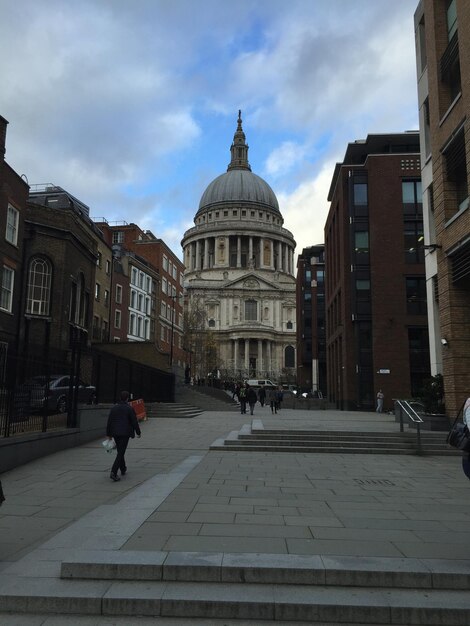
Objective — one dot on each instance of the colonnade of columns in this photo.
(264, 351)
(239, 251)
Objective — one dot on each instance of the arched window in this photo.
(39, 287)
(211, 323)
(289, 325)
(289, 357)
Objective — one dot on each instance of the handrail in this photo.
(411, 414)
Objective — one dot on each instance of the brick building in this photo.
(310, 309)
(168, 315)
(377, 334)
(13, 198)
(442, 30)
(60, 256)
(54, 197)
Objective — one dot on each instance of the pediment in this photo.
(251, 281)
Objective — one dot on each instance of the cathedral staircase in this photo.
(191, 401)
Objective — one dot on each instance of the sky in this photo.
(131, 105)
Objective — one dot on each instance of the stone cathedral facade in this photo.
(239, 262)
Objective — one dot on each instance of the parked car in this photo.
(56, 398)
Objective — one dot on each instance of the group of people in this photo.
(247, 395)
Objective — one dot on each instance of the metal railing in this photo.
(406, 409)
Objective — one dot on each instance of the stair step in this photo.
(305, 603)
(220, 444)
(292, 569)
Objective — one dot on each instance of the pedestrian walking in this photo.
(242, 399)
(279, 397)
(272, 397)
(380, 401)
(122, 426)
(251, 398)
(262, 395)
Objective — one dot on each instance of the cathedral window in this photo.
(211, 323)
(289, 325)
(289, 357)
(251, 310)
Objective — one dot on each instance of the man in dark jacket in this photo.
(122, 425)
(251, 398)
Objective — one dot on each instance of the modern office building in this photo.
(442, 30)
(377, 335)
(311, 327)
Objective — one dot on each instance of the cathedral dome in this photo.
(239, 186)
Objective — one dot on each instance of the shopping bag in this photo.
(109, 445)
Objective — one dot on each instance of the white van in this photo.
(260, 383)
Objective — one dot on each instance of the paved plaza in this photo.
(180, 497)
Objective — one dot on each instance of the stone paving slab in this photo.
(424, 497)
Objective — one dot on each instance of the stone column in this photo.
(239, 251)
(260, 357)
(268, 356)
(235, 354)
(286, 261)
(280, 265)
(250, 250)
(198, 254)
(206, 253)
(271, 244)
(247, 354)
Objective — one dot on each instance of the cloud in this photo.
(284, 158)
(131, 106)
(305, 210)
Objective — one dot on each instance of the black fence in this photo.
(112, 374)
(38, 394)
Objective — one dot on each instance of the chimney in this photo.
(3, 137)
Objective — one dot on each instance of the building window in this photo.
(108, 267)
(456, 169)
(79, 300)
(106, 297)
(133, 299)
(118, 294)
(414, 242)
(416, 296)
(211, 323)
(164, 285)
(117, 318)
(451, 15)
(6, 294)
(132, 324)
(307, 296)
(99, 259)
(163, 309)
(251, 310)
(97, 291)
(289, 357)
(360, 194)
(174, 272)
(289, 326)
(118, 236)
(165, 263)
(147, 329)
(450, 60)
(11, 233)
(412, 197)
(39, 287)
(134, 276)
(361, 246)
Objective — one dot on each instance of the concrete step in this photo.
(219, 444)
(172, 410)
(288, 569)
(309, 589)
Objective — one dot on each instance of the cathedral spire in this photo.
(239, 149)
